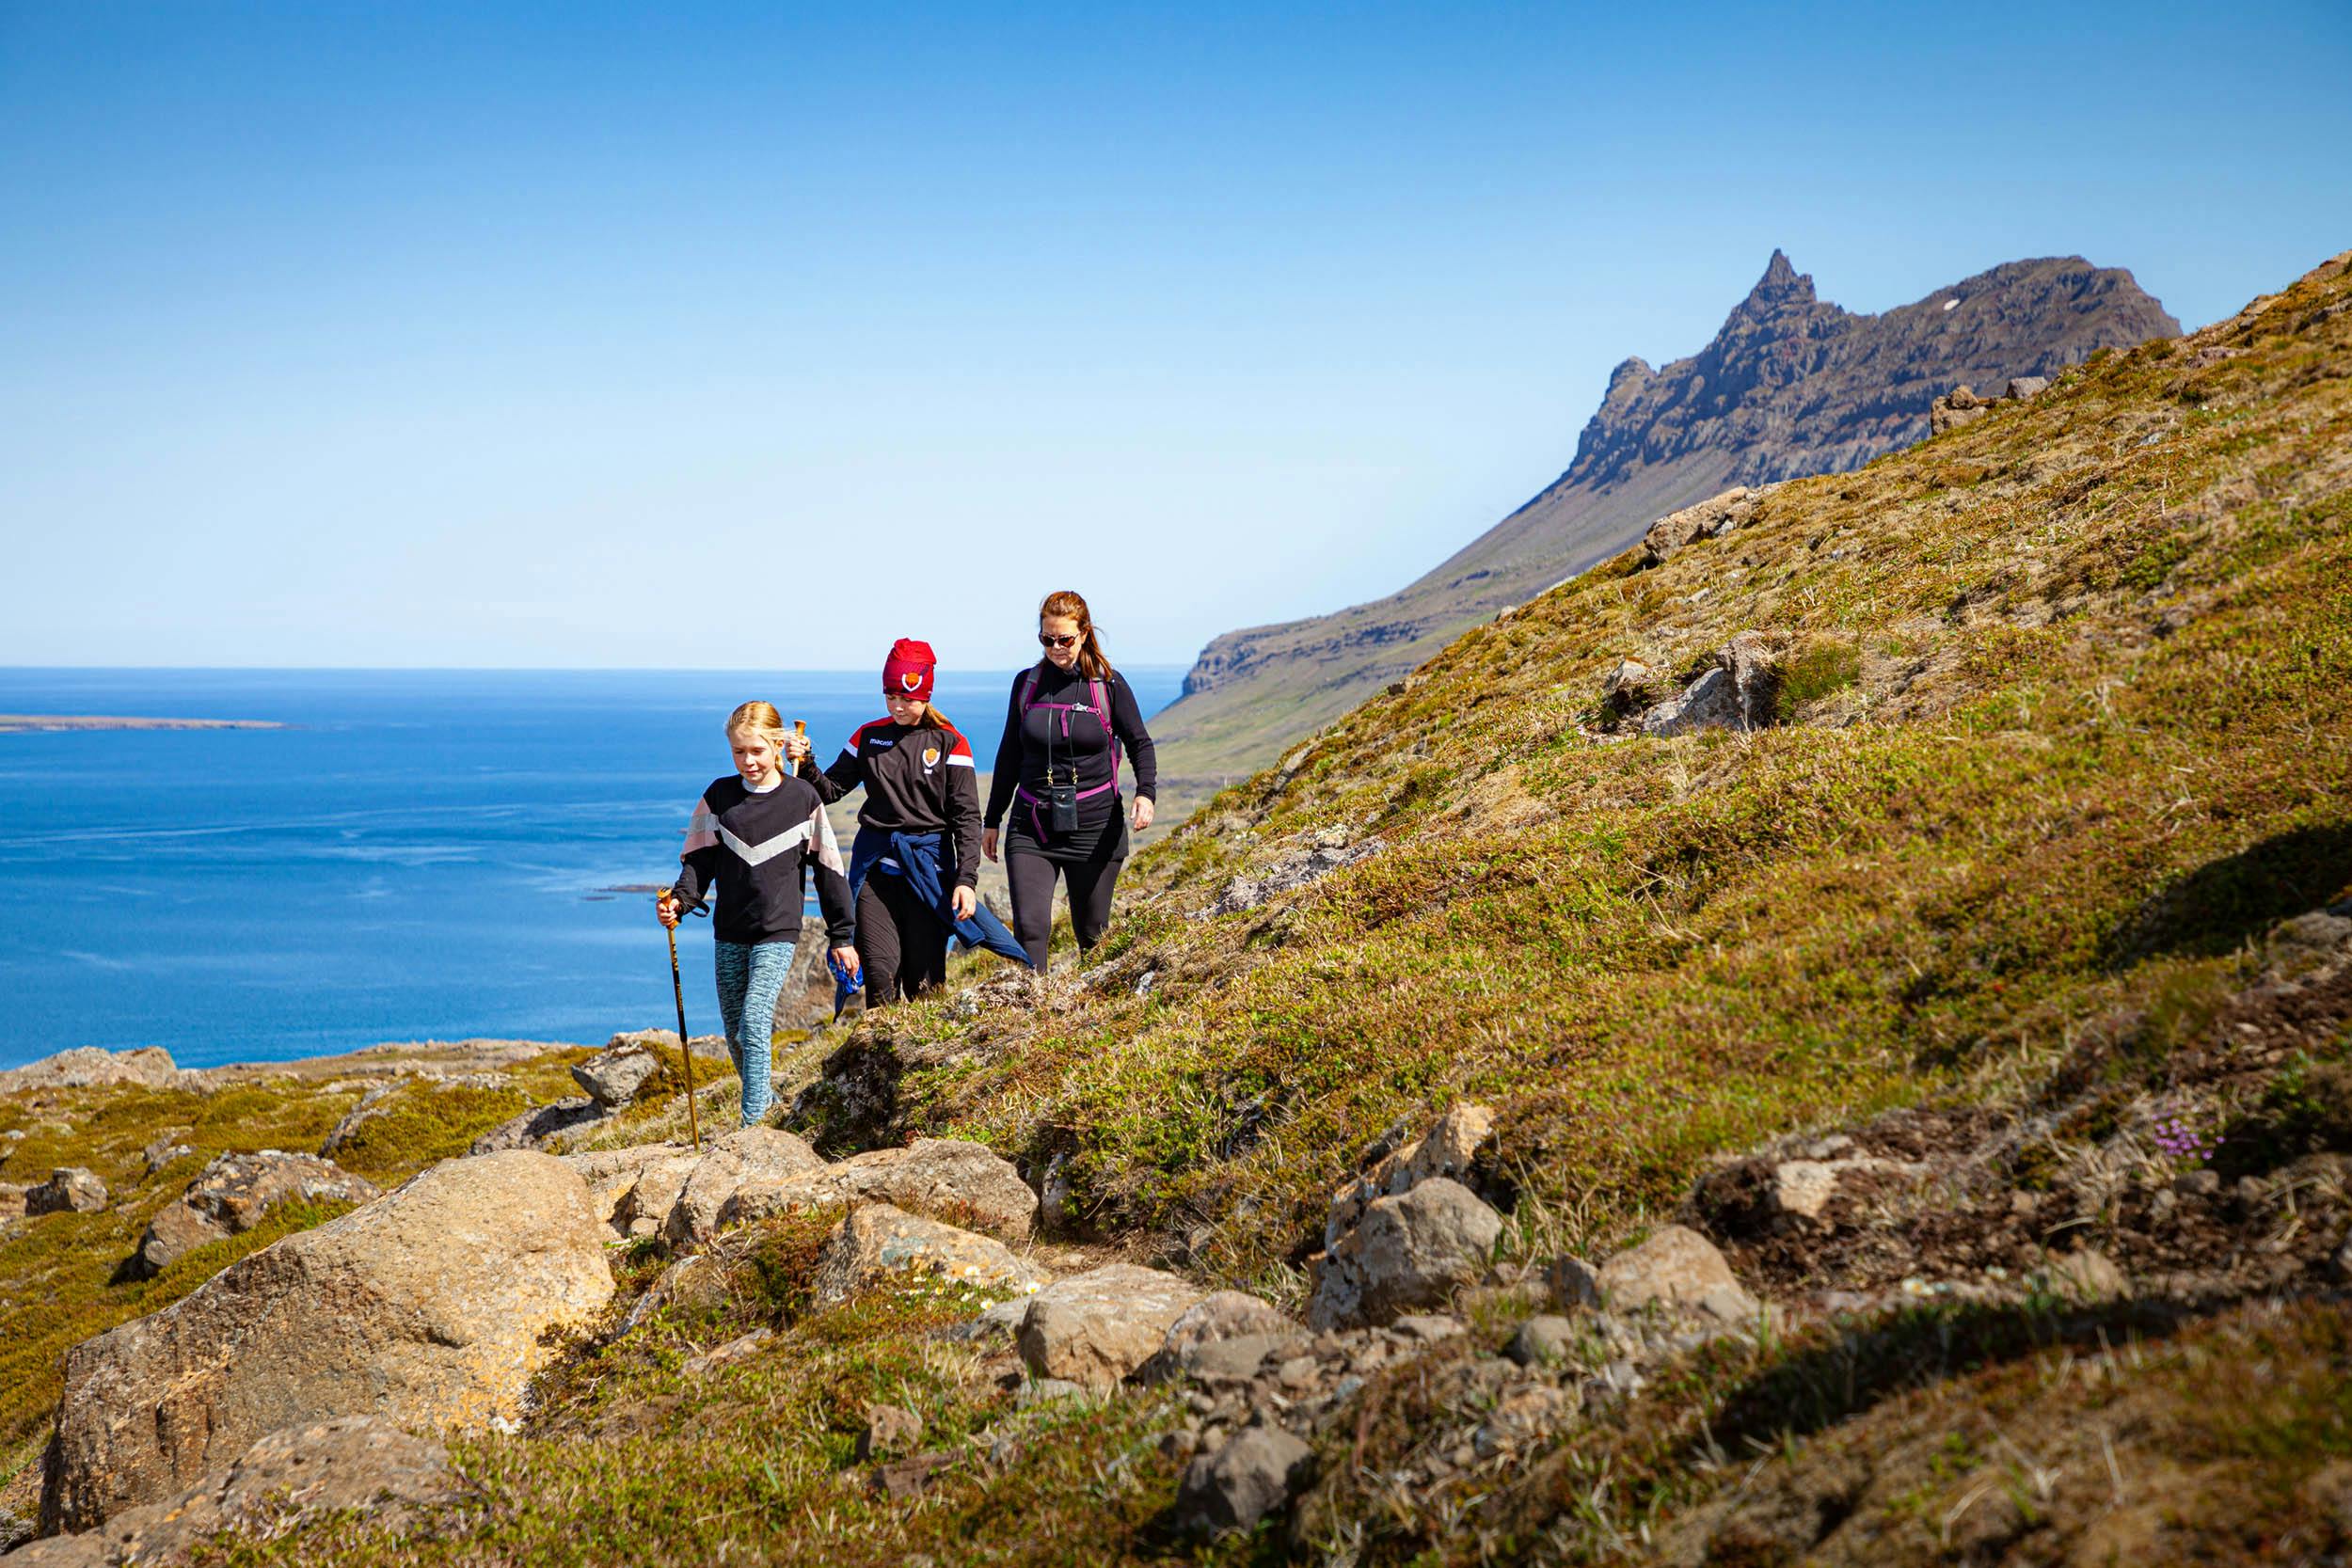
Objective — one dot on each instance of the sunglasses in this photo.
(1046, 639)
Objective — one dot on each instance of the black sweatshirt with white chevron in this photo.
(751, 845)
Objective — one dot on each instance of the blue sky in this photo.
(757, 336)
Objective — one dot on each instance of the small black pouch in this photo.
(1061, 808)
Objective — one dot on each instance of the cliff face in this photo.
(1790, 386)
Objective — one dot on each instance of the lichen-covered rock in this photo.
(430, 1307)
(72, 1188)
(1409, 1251)
(746, 1155)
(877, 1244)
(349, 1463)
(232, 1196)
(966, 1182)
(1096, 1327)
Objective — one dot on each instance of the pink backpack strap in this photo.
(1100, 693)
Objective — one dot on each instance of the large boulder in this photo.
(349, 1463)
(430, 1306)
(1411, 1251)
(748, 1154)
(70, 1188)
(1094, 1328)
(878, 1244)
(963, 1182)
(232, 1196)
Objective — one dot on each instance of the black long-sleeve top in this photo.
(751, 846)
(917, 781)
(1020, 754)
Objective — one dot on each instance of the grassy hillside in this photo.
(2061, 712)
(2064, 689)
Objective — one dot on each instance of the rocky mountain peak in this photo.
(1793, 385)
(1781, 286)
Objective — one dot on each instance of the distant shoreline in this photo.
(35, 723)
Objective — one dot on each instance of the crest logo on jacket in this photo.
(931, 758)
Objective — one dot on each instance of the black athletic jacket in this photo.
(917, 781)
(1021, 752)
(752, 848)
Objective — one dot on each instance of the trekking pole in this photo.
(685, 1052)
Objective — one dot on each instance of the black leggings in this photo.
(1032, 878)
(901, 941)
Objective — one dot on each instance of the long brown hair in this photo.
(1092, 662)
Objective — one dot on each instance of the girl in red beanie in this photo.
(917, 770)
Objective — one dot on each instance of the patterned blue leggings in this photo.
(751, 977)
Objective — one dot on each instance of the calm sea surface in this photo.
(418, 855)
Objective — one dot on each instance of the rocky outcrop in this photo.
(1711, 520)
(85, 1066)
(1406, 1233)
(1407, 1252)
(350, 1462)
(232, 1195)
(1333, 849)
(1447, 1148)
(430, 1307)
(877, 1245)
(1094, 1328)
(71, 1189)
(1737, 691)
(949, 1178)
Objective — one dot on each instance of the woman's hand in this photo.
(847, 958)
(963, 901)
(988, 843)
(665, 909)
(797, 750)
(1143, 812)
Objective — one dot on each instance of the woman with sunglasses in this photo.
(1070, 718)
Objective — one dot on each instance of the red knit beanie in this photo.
(908, 670)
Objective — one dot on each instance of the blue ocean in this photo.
(416, 855)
